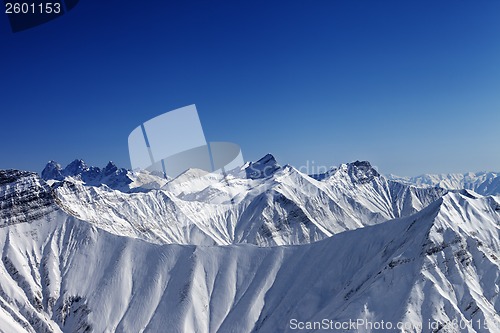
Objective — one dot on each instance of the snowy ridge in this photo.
(282, 206)
(63, 274)
(78, 257)
(110, 175)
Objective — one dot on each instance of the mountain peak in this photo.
(264, 167)
(361, 164)
(53, 164)
(362, 171)
(52, 170)
(75, 168)
(110, 168)
(110, 175)
(359, 171)
(268, 158)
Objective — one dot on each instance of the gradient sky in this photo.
(412, 86)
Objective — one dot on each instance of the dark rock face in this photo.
(11, 176)
(263, 168)
(110, 175)
(76, 167)
(52, 171)
(361, 172)
(110, 169)
(23, 197)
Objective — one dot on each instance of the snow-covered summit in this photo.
(359, 171)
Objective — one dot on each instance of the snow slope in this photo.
(199, 253)
(59, 273)
(274, 206)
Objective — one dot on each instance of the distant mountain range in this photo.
(86, 249)
(486, 183)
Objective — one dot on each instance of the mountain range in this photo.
(263, 248)
(485, 183)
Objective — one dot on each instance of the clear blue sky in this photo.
(412, 86)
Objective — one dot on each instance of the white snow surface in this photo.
(285, 208)
(353, 245)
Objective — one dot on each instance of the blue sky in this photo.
(412, 86)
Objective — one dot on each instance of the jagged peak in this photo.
(362, 171)
(52, 170)
(110, 168)
(75, 168)
(262, 168)
(110, 175)
(361, 164)
(266, 159)
(53, 164)
(358, 171)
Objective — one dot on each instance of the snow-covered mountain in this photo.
(262, 203)
(485, 183)
(436, 270)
